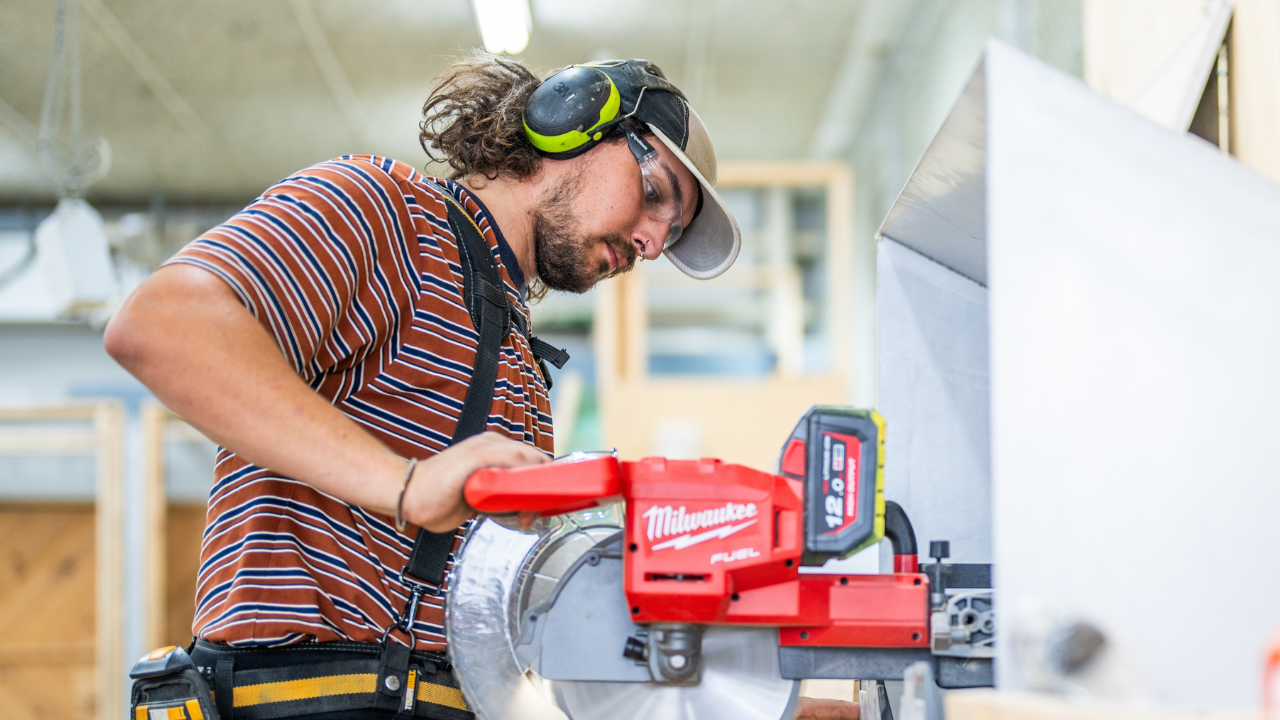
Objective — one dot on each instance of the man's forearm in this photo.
(186, 336)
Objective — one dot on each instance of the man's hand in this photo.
(821, 709)
(434, 498)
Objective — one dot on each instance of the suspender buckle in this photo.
(409, 615)
(426, 589)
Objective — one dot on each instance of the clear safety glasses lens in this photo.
(661, 201)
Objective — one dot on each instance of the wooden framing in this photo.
(837, 178)
(155, 511)
(632, 403)
(159, 424)
(1126, 41)
(105, 439)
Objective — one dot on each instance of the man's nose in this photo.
(649, 237)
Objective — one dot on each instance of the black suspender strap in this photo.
(223, 689)
(491, 315)
(544, 350)
(493, 318)
(487, 302)
(482, 288)
(429, 557)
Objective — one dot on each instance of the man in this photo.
(322, 338)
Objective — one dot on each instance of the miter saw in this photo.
(672, 588)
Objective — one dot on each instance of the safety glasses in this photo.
(663, 202)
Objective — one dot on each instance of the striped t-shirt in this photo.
(353, 269)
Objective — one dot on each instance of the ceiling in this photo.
(212, 101)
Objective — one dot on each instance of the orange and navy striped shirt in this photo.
(352, 267)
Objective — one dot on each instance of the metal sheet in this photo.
(849, 663)
(1135, 341)
(941, 211)
(934, 385)
(1171, 95)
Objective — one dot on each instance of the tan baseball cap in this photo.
(710, 244)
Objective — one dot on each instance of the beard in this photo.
(562, 253)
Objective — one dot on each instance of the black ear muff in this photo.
(565, 114)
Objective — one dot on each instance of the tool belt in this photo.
(338, 680)
(332, 680)
(350, 680)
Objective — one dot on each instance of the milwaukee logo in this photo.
(666, 521)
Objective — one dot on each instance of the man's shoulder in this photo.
(349, 172)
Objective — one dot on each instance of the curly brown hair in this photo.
(473, 120)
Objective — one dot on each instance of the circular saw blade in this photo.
(741, 680)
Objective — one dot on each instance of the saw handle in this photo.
(549, 489)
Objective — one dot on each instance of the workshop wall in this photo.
(920, 55)
(47, 527)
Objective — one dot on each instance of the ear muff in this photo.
(565, 115)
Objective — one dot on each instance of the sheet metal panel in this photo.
(933, 378)
(941, 212)
(1135, 341)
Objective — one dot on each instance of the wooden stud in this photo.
(634, 318)
(107, 419)
(607, 336)
(1126, 41)
(155, 512)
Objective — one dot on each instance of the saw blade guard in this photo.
(501, 572)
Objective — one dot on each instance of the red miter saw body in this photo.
(708, 543)
(715, 543)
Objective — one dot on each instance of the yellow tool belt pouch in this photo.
(167, 685)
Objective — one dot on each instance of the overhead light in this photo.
(504, 25)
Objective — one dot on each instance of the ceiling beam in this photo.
(334, 76)
(877, 27)
(147, 70)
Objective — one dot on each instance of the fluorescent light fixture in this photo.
(504, 24)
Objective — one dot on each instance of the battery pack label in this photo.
(840, 476)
